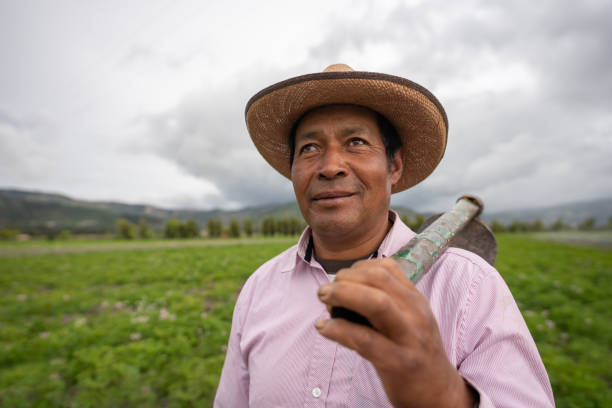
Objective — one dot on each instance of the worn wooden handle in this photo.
(425, 248)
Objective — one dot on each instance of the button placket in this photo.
(320, 369)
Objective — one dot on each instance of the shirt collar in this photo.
(399, 234)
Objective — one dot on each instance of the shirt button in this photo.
(316, 392)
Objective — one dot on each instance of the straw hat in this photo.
(417, 115)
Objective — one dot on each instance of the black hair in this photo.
(390, 137)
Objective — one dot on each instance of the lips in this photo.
(331, 195)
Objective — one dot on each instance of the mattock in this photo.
(459, 227)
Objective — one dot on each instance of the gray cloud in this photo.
(524, 86)
(527, 88)
(206, 136)
(27, 151)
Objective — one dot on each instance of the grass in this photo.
(565, 294)
(120, 328)
(599, 238)
(91, 245)
(145, 324)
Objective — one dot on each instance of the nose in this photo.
(332, 164)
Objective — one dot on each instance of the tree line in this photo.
(270, 226)
(175, 228)
(588, 224)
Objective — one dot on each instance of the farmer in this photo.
(347, 140)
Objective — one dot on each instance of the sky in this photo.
(143, 101)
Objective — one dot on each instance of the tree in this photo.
(497, 226)
(517, 226)
(214, 227)
(173, 228)
(124, 229)
(247, 226)
(609, 225)
(537, 225)
(282, 226)
(587, 224)
(8, 234)
(414, 223)
(143, 229)
(295, 226)
(191, 229)
(268, 226)
(234, 229)
(64, 235)
(558, 225)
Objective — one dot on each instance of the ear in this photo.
(397, 166)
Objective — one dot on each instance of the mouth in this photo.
(331, 196)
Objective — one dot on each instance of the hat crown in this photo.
(338, 68)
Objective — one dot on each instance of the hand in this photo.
(406, 348)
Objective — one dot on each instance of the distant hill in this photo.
(571, 213)
(44, 213)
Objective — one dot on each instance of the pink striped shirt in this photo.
(276, 358)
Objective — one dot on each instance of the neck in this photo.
(333, 248)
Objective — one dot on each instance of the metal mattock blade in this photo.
(475, 237)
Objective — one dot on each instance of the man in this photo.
(348, 140)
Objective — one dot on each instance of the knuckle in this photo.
(338, 289)
(361, 263)
(342, 274)
(391, 265)
(380, 274)
(388, 262)
(381, 304)
(363, 340)
(407, 361)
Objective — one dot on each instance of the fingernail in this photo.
(323, 290)
(319, 324)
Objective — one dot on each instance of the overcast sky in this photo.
(143, 101)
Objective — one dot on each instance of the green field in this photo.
(146, 323)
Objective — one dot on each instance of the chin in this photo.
(334, 225)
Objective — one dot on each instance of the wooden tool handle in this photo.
(425, 248)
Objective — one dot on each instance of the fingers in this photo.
(376, 305)
(384, 274)
(379, 290)
(370, 344)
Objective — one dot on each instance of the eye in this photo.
(357, 141)
(310, 147)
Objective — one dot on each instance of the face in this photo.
(341, 175)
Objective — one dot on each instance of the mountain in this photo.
(45, 213)
(570, 213)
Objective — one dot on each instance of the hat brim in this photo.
(416, 114)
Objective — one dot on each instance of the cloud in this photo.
(206, 136)
(27, 151)
(527, 88)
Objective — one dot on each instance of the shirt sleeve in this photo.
(233, 389)
(499, 357)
